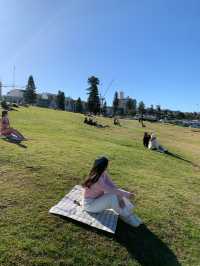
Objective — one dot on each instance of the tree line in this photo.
(132, 108)
(96, 105)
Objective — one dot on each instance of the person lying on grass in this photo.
(154, 144)
(91, 122)
(100, 193)
(7, 131)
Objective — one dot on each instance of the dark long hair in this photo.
(97, 170)
(4, 113)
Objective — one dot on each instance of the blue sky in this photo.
(149, 48)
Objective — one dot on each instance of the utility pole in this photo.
(0, 89)
(101, 103)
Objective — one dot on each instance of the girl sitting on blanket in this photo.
(100, 193)
(6, 130)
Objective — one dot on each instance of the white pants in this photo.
(108, 201)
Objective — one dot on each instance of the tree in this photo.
(134, 107)
(180, 115)
(60, 100)
(158, 111)
(151, 110)
(166, 113)
(79, 106)
(115, 103)
(131, 106)
(30, 92)
(104, 109)
(141, 108)
(4, 105)
(93, 99)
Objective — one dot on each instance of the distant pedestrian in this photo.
(141, 121)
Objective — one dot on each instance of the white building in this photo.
(15, 96)
(123, 101)
(16, 93)
(70, 104)
(46, 99)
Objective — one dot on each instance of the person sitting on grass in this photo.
(94, 122)
(7, 131)
(88, 121)
(91, 122)
(116, 122)
(146, 139)
(85, 120)
(154, 144)
(100, 194)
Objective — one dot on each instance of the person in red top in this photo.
(100, 193)
(6, 130)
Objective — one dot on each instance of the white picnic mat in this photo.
(70, 206)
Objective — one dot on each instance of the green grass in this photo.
(59, 155)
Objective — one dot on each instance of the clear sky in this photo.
(151, 49)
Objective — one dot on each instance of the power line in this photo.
(110, 84)
(11, 86)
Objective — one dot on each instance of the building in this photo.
(84, 104)
(47, 100)
(109, 111)
(15, 96)
(70, 104)
(123, 103)
(16, 93)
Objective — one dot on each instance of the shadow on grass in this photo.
(15, 142)
(174, 155)
(142, 244)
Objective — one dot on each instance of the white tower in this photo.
(121, 95)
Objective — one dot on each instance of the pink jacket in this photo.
(102, 186)
(5, 123)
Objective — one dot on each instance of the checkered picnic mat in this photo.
(70, 206)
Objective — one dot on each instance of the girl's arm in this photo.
(109, 181)
(5, 123)
(8, 123)
(109, 187)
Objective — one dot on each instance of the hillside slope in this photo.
(59, 155)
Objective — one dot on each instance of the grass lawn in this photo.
(59, 155)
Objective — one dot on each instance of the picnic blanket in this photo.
(70, 206)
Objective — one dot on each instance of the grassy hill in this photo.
(59, 155)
